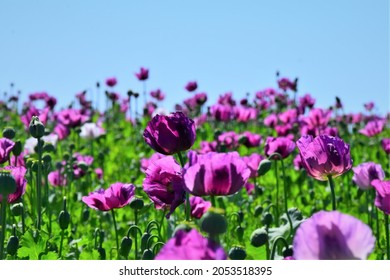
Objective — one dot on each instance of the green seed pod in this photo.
(237, 253)
(48, 147)
(12, 245)
(136, 203)
(267, 219)
(258, 210)
(66, 156)
(9, 133)
(240, 233)
(213, 223)
(17, 209)
(240, 216)
(37, 129)
(144, 241)
(264, 167)
(46, 158)
(125, 246)
(7, 183)
(64, 219)
(148, 255)
(29, 163)
(288, 252)
(17, 150)
(259, 190)
(85, 215)
(259, 237)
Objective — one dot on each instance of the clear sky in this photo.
(334, 47)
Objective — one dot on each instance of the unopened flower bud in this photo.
(264, 167)
(258, 210)
(144, 241)
(240, 233)
(7, 183)
(125, 246)
(237, 253)
(267, 219)
(148, 255)
(213, 223)
(17, 150)
(37, 129)
(17, 209)
(9, 133)
(259, 237)
(137, 203)
(48, 147)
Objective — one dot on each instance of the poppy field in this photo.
(267, 177)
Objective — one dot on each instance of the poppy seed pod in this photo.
(37, 129)
(259, 237)
(9, 133)
(7, 183)
(170, 134)
(237, 253)
(125, 246)
(213, 223)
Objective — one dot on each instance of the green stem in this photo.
(369, 216)
(116, 231)
(136, 235)
(3, 225)
(275, 245)
(61, 243)
(285, 199)
(188, 206)
(387, 236)
(267, 246)
(39, 185)
(331, 184)
(277, 194)
(213, 203)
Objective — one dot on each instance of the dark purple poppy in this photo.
(157, 94)
(324, 156)
(18, 173)
(170, 134)
(386, 145)
(251, 140)
(143, 74)
(333, 236)
(164, 184)
(382, 199)
(365, 173)
(253, 162)
(6, 147)
(190, 246)
(199, 206)
(282, 145)
(215, 174)
(117, 195)
(191, 86)
(111, 82)
(373, 127)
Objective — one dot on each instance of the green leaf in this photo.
(50, 256)
(31, 249)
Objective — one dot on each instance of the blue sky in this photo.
(335, 48)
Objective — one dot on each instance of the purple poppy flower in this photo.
(253, 162)
(324, 156)
(373, 127)
(285, 84)
(190, 246)
(143, 74)
(369, 106)
(382, 199)
(157, 94)
(386, 145)
(244, 114)
(6, 147)
(250, 188)
(307, 101)
(117, 195)
(164, 184)
(222, 112)
(333, 236)
(111, 82)
(170, 134)
(226, 99)
(298, 162)
(99, 173)
(251, 139)
(365, 173)
(71, 117)
(18, 174)
(191, 86)
(229, 139)
(271, 120)
(145, 162)
(318, 118)
(57, 178)
(215, 174)
(199, 206)
(282, 145)
(289, 116)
